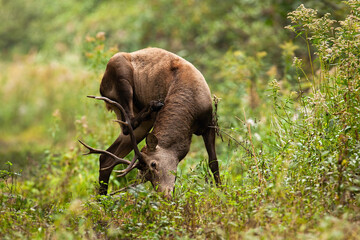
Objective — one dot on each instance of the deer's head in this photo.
(158, 165)
(155, 163)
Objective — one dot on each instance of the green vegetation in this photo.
(289, 115)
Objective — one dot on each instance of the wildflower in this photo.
(297, 62)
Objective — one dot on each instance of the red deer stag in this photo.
(153, 88)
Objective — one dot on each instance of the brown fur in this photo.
(136, 79)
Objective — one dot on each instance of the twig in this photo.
(232, 138)
(215, 118)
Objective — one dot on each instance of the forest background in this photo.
(287, 79)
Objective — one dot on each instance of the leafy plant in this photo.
(328, 126)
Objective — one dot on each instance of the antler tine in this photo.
(121, 122)
(128, 169)
(131, 132)
(99, 151)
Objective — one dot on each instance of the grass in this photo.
(62, 204)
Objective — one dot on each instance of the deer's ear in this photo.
(151, 142)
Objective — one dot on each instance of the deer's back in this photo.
(158, 74)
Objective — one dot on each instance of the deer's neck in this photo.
(174, 125)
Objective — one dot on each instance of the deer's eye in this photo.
(153, 165)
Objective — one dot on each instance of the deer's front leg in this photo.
(121, 147)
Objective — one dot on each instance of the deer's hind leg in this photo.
(209, 140)
(122, 92)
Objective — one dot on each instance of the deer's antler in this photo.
(117, 160)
